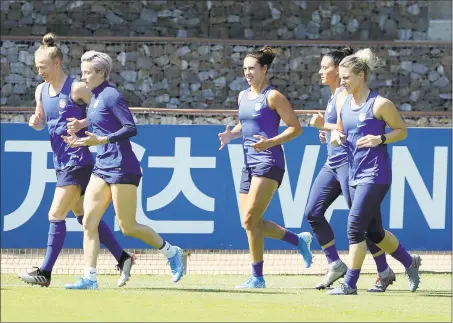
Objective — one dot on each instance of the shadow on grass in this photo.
(424, 293)
(213, 290)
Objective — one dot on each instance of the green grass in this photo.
(213, 298)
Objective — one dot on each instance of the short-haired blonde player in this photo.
(116, 173)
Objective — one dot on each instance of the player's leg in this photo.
(97, 198)
(258, 198)
(272, 230)
(364, 198)
(393, 247)
(125, 203)
(65, 197)
(107, 238)
(386, 276)
(324, 191)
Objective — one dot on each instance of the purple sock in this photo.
(107, 238)
(402, 256)
(331, 254)
(55, 241)
(352, 276)
(381, 263)
(291, 238)
(257, 269)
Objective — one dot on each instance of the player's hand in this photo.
(262, 143)
(322, 136)
(337, 138)
(70, 139)
(225, 137)
(369, 141)
(36, 122)
(317, 120)
(90, 140)
(74, 125)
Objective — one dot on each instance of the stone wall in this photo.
(247, 19)
(210, 76)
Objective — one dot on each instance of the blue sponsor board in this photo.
(189, 189)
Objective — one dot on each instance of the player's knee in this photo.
(89, 224)
(376, 236)
(128, 229)
(56, 216)
(250, 222)
(314, 217)
(356, 232)
(355, 236)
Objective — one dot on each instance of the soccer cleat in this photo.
(381, 284)
(83, 283)
(253, 282)
(176, 265)
(304, 248)
(412, 273)
(36, 277)
(125, 270)
(342, 289)
(333, 274)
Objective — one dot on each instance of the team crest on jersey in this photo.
(95, 105)
(258, 106)
(329, 107)
(362, 116)
(62, 103)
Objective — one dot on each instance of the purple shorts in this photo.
(116, 177)
(75, 175)
(268, 171)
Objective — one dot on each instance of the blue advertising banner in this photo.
(189, 189)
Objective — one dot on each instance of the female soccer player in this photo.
(363, 118)
(58, 100)
(332, 180)
(116, 173)
(260, 109)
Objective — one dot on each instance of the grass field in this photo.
(213, 298)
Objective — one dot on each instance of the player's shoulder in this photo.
(341, 99)
(112, 96)
(241, 94)
(111, 90)
(79, 88)
(382, 102)
(342, 94)
(275, 94)
(39, 87)
(38, 91)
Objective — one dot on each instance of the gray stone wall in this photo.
(210, 76)
(247, 19)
